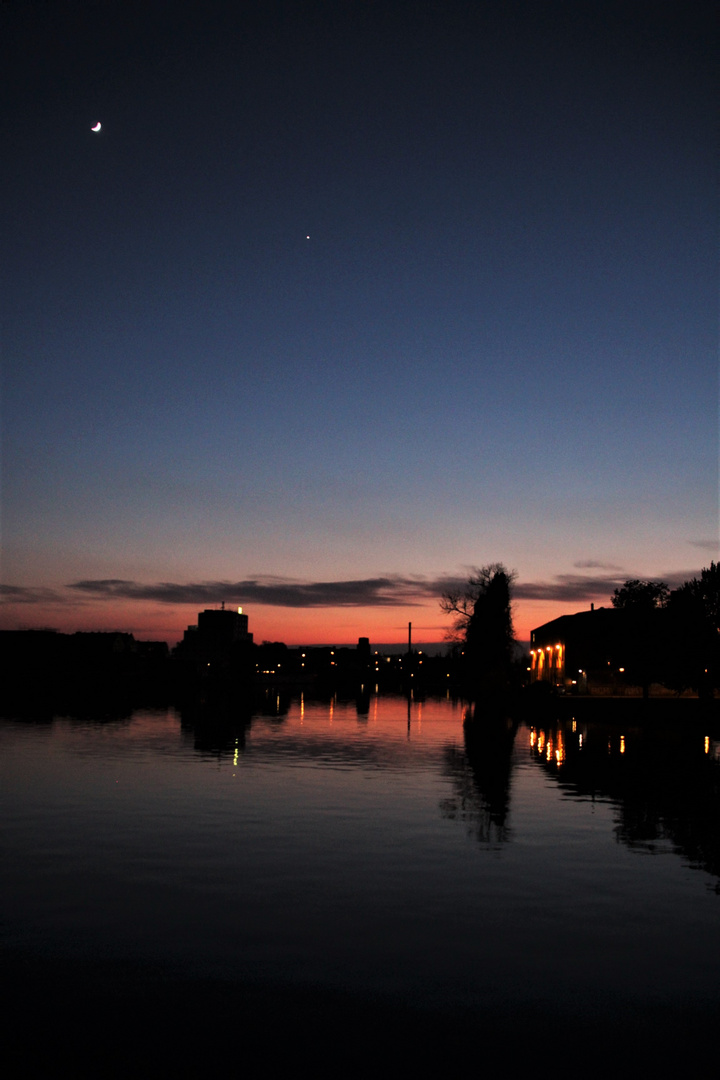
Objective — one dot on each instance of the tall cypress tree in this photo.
(483, 626)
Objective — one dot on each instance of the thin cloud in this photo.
(706, 545)
(569, 588)
(578, 588)
(28, 594)
(389, 591)
(674, 581)
(592, 564)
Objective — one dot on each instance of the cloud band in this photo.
(392, 590)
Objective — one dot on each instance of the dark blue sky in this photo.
(498, 343)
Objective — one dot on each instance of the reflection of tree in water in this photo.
(673, 795)
(665, 783)
(481, 778)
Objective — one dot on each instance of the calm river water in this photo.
(380, 872)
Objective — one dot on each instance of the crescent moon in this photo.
(97, 126)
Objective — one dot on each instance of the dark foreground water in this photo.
(358, 891)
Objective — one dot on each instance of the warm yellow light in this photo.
(239, 611)
(707, 744)
(622, 744)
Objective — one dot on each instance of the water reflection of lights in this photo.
(712, 748)
(551, 747)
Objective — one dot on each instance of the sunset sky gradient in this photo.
(347, 298)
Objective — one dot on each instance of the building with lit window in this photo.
(574, 652)
(219, 644)
(220, 626)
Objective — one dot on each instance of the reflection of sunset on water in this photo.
(396, 850)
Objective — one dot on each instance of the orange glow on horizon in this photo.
(152, 621)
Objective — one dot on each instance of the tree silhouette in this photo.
(642, 632)
(707, 593)
(693, 656)
(673, 637)
(483, 626)
(641, 594)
